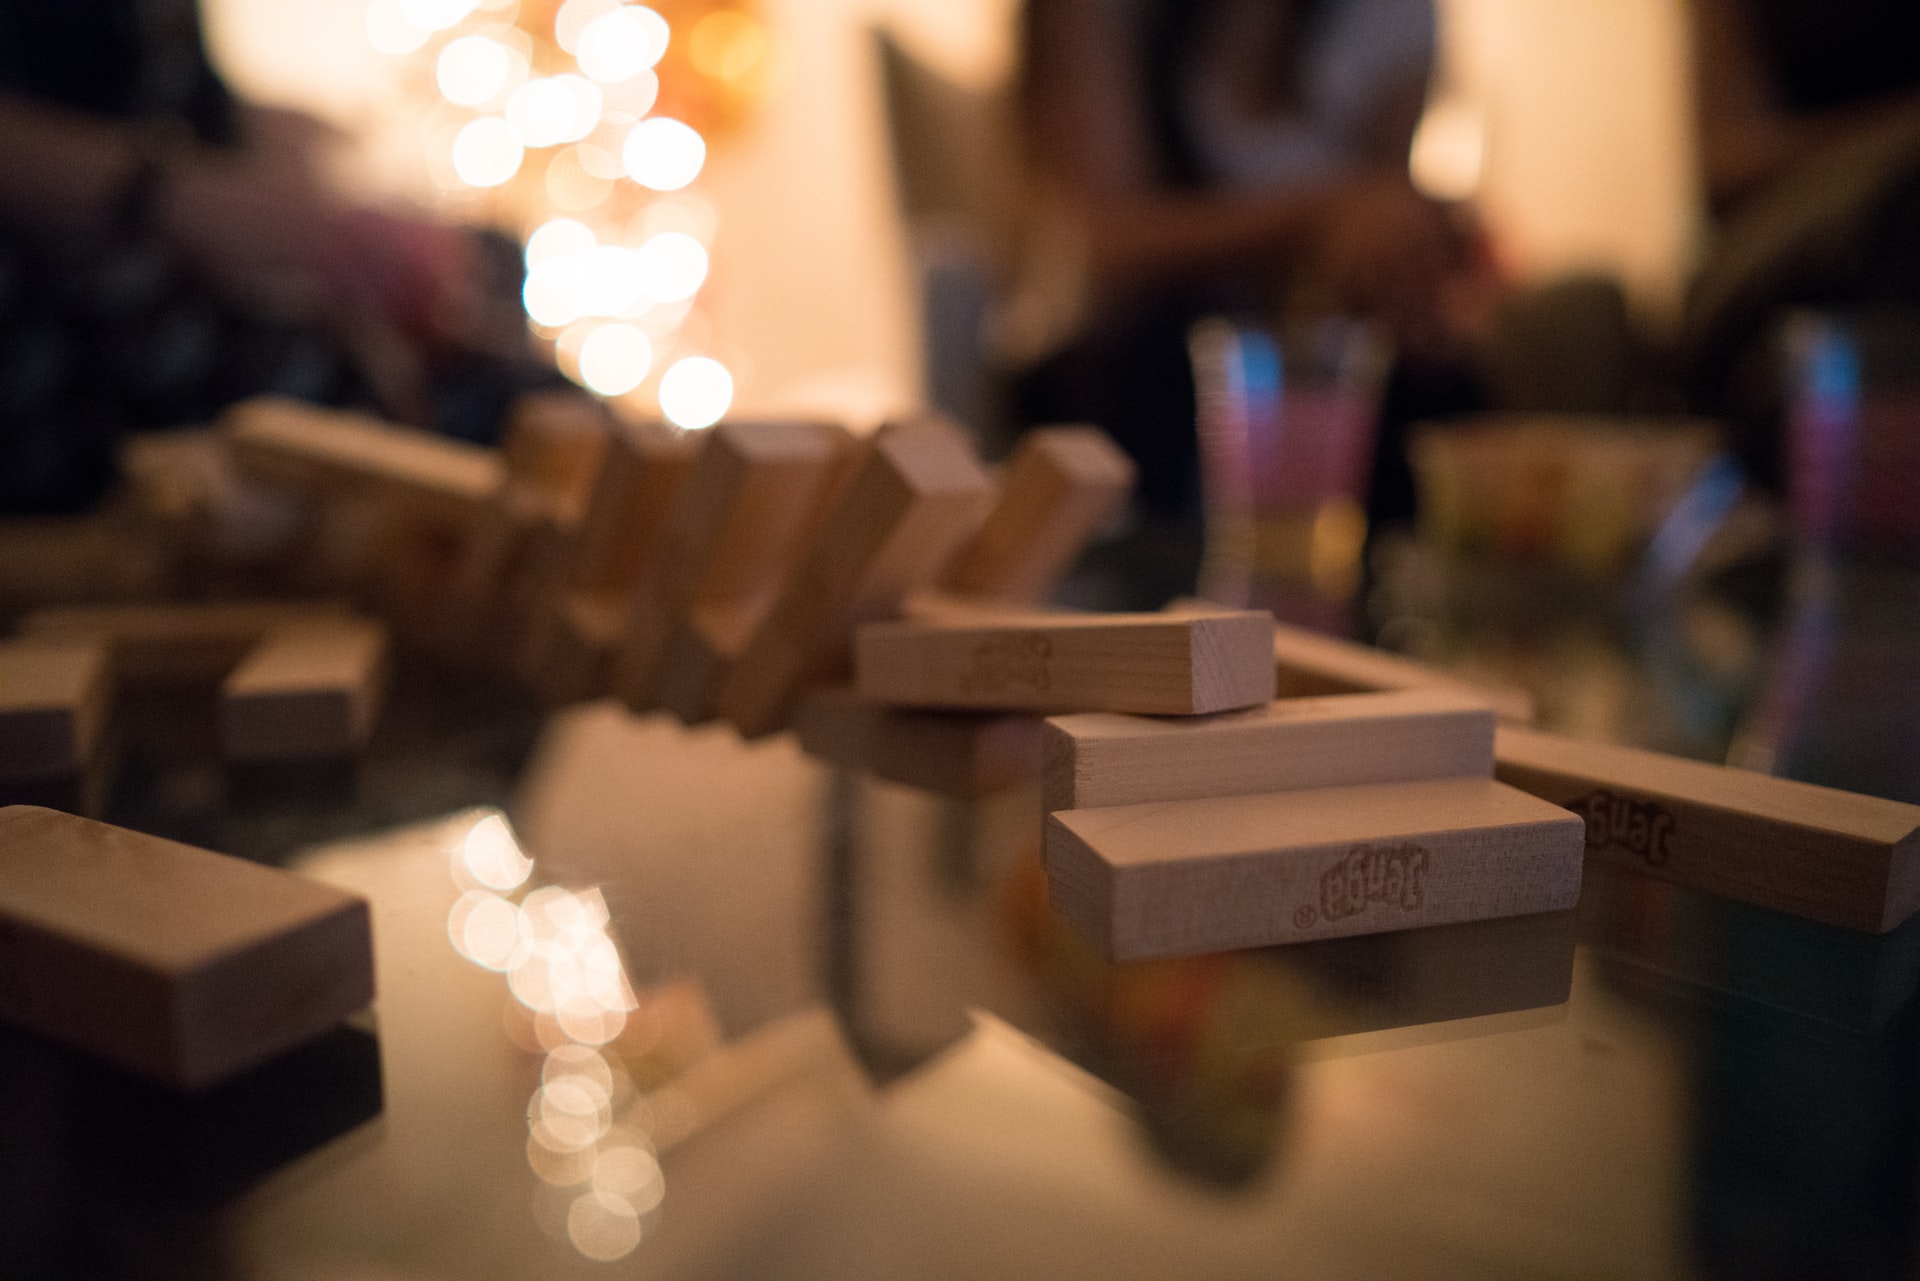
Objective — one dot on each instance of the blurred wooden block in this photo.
(1098, 758)
(737, 527)
(320, 451)
(104, 556)
(1169, 664)
(623, 531)
(912, 497)
(168, 961)
(190, 643)
(308, 691)
(54, 700)
(1308, 663)
(1061, 485)
(956, 754)
(700, 654)
(575, 659)
(502, 575)
(1175, 878)
(554, 444)
(1813, 852)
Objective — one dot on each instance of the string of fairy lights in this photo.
(583, 125)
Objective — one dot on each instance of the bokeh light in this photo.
(615, 359)
(620, 45)
(551, 110)
(601, 1227)
(574, 16)
(557, 238)
(472, 70)
(437, 15)
(486, 152)
(696, 392)
(663, 154)
(390, 31)
(673, 266)
(490, 855)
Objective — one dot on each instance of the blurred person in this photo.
(1239, 157)
(166, 249)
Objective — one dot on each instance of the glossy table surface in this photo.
(710, 1009)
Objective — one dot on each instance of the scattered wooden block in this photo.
(956, 754)
(102, 556)
(914, 494)
(623, 530)
(1099, 759)
(1181, 877)
(1061, 485)
(1308, 663)
(575, 658)
(193, 643)
(305, 692)
(54, 698)
(171, 962)
(320, 451)
(1178, 664)
(1810, 851)
(554, 444)
(754, 492)
(700, 654)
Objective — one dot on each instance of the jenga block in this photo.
(736, 529)
(1810, 851)
(178, 964)
(1057, 490)
(307, 691)
(1099, 759)
(554, 444)
(502, 576)
(623, 531)
(1178, 664)
(700, 654)
(575, 658)
(1308, 663)
(102, 556)
(168, 643)
(434, 479)
(912, 497)
(1179, 877)
(957, 754)
(53, 704)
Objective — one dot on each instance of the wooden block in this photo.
(1173, 878)
(503, 575)
(701, 653)
(754, 492)
(1308, 663)
(554, 444)
(169, 961)
(320, 451)
(176, 643)
(956, 754)
(103, 556)
(1061, 485)
(1099, 759)
(575, 660)
(1177, 664)
(1810, 851)
(623, 531)
(54, 698)
(307, 691)
(911, 498)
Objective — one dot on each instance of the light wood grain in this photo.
(915, 493)
(958, 754)
(169, 961)
(1058, 489)
(737, 527)
(1308, 663)
(189, 643)
(54, 699)
(1178, 664)
(321, 451)
(307, 691)
(1099, 759)
(1174, 878)
(1814, 852)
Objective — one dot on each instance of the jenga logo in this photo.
(1006, 664)
(1392, 875)
(1639, 827)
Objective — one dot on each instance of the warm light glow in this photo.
(488, 930)
(663, 154)
(554, 109)
(619, 45)
(673, 266)
(437, 15)
(490, 855)
(728, 45)
(486, 152)
(571, 187)
(555, 292)
(572, 18)
(615, 359)
(613, 283)
(603, 1228)
(696, 392)
(472, 70)
(632, 98)
(1449, 150)
(390, 31)
(630, 1173)
(557, 238)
